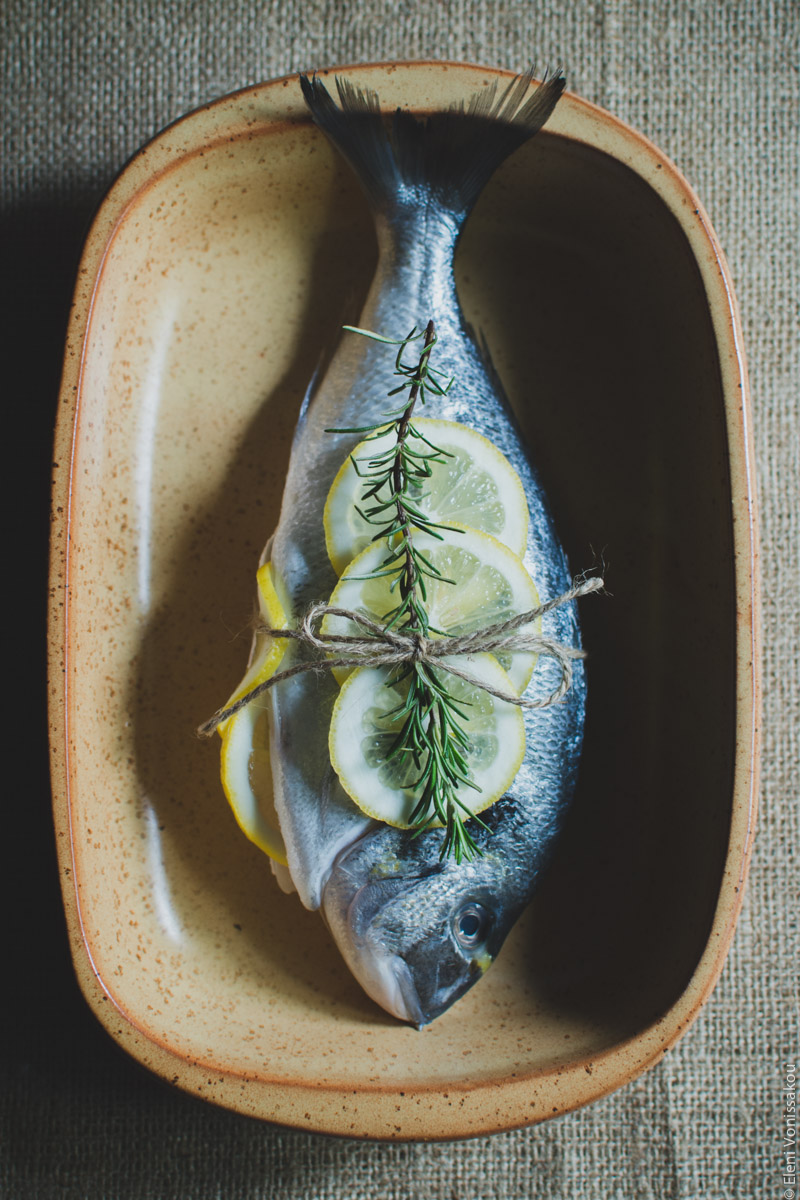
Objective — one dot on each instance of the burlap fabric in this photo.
(716, 86)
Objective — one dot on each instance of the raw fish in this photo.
(416, 932)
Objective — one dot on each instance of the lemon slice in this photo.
(361, 736)
(477, 486)
(267, 652)
(247, 779)
(244, 759)
(490, 584)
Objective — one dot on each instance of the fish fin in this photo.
(266, 555)
(479, 338)
(283, 876)
(348, 314)
(305, 404)
(447, 156)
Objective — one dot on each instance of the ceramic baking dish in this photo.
(216, 274)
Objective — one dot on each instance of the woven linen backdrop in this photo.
(716, 87)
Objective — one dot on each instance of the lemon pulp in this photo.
(489, 584)
(475, 486)
(362, 734)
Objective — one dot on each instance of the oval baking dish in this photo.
(215, 275)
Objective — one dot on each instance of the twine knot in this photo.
(421, 644)
(378, 646)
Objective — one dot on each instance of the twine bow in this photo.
(377, 646)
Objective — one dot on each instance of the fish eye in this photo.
(471, 924)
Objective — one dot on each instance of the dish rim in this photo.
(309, 1107)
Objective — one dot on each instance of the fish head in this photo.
(417, 933)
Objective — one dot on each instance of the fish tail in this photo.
(445, 157)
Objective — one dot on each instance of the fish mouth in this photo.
(412, 974)
(426, 1003)
(412, 1007)
(412, 1010)
(388, 980)
(391, 981)
(409, 1005)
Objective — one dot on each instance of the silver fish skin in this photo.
(415, 932)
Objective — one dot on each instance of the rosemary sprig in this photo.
(431, 721)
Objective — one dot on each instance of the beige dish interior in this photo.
(217, 273)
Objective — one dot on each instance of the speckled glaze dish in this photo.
(215, 276)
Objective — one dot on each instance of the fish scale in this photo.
(397, 924)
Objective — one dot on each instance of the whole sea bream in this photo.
(416, 932)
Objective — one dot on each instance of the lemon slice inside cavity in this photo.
(490, 584)
(247, 779)
(244, 759)
(361, 737)
(267, 652)
(477, 486)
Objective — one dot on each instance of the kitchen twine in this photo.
(377, 646)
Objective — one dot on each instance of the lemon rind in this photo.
(255, 827)
(266, 655)
(267, 652)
